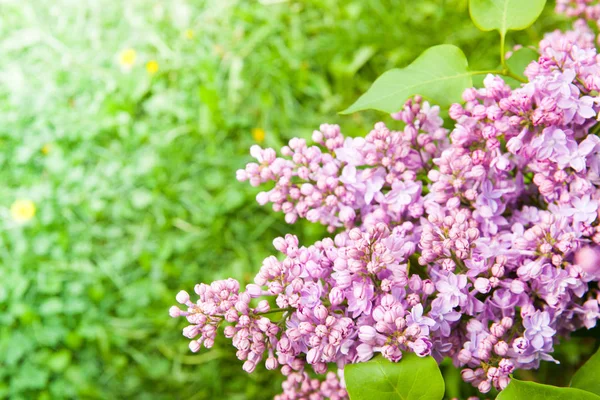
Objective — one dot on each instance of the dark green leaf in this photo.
(505, 15)
(440, 73)
(588, 377)
(411, 378)
(520, 390)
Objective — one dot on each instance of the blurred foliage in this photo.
(124, 123)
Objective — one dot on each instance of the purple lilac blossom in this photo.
(480, 244)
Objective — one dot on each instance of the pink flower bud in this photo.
(428, 287)
(482, 285)
(182, 297)
(520, 345)
(313, 355)
(254, 290)
(262, 307)
(507, 322)
(229, 331)
(175, 312)
(271, 363)
(467, 375)
(249, 366)
(320, 312)
(464, 356)
(194, 346)
(501, 348)
(497, 330)
(484, 386)
(367, 333)
(415, 283)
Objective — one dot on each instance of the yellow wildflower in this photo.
(127, 58)
(258, 134)
(46, 149)
(152, 67)
(22, 210)
(189, 34)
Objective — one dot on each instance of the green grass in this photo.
(136, 197)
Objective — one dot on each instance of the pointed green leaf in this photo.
(440, 74)
(411, 378)
(520, 390)
(505, 15)
(588, 377)
(520, 59)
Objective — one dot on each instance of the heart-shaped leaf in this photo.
(505, 15)
(588, 377)
(440, 73)
(520, 390)
(411, 378)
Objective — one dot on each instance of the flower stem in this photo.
(503, 51)
(276, 310)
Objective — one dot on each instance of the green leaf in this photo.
(505, 15)
(520, 59)
(411, 378)
(440, 73)
(587, 377)
(519, 390)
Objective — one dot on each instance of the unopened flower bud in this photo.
(484, 386)
(501, 348)
(182, 297)
(464, 356)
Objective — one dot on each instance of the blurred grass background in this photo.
(124, 122)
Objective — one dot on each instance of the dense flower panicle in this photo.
(480, 243)
(345, 182)
(300, 386)
(588, 9)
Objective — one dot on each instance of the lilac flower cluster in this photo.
(588, 9)
(338, 182)
(481, 244)
(299, 386)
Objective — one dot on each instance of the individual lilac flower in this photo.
(416, 318)
(482, 285)
(591, 313)
(451, 289)
(433, 121)
(365, 183)
(443, 317)
(353, 150)
(577, 154)
(537, 328)
(374, 184)
(489, 197)
(583, 209)
(422, 346)
(562, 83)
(402, 194)
(359, 297)
(530, 269)
(520, 345)
(311, 294)
(553, 140)
(364, 352)
(504, 300)
(585, 107)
